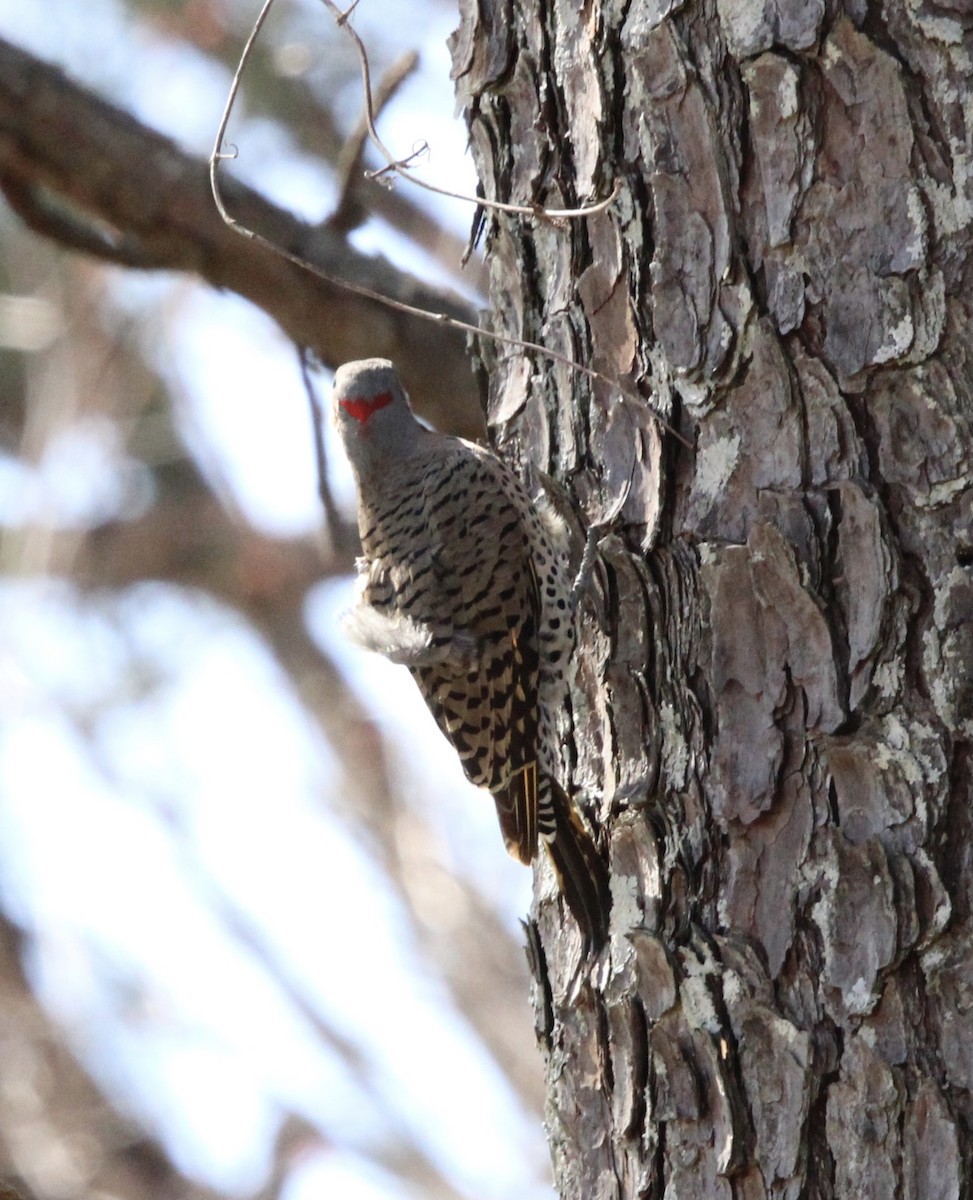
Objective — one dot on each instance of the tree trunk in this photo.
(773, 704)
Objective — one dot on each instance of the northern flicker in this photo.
(459, 581)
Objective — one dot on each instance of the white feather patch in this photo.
(395, 635)
(402, 640)
(554, 523)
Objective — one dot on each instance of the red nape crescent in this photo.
(364, 407)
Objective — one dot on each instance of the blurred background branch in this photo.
(62, 177)
(240, 877)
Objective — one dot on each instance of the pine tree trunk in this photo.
(773, 705)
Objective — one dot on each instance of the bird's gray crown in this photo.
(372, 413)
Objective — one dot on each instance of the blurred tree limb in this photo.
(56, 1127)
(90, 176)
(191, 538)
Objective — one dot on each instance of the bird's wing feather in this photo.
(485, 588)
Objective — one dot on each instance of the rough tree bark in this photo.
(774, 692)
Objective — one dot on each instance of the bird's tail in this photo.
(581, 871)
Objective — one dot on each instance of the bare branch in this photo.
(433, 315)
(123, 191)
(348, 212)
(400, 166)
(42, 213)
(218, 152)
(335, 524)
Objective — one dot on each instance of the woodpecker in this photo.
(460, 581)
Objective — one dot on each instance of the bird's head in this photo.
(372, 413)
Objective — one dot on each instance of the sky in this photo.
(206, 772)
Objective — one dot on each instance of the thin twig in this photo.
(358, 289)
(347, 213)
(401, 165)
(320, 453)
(218, 152)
